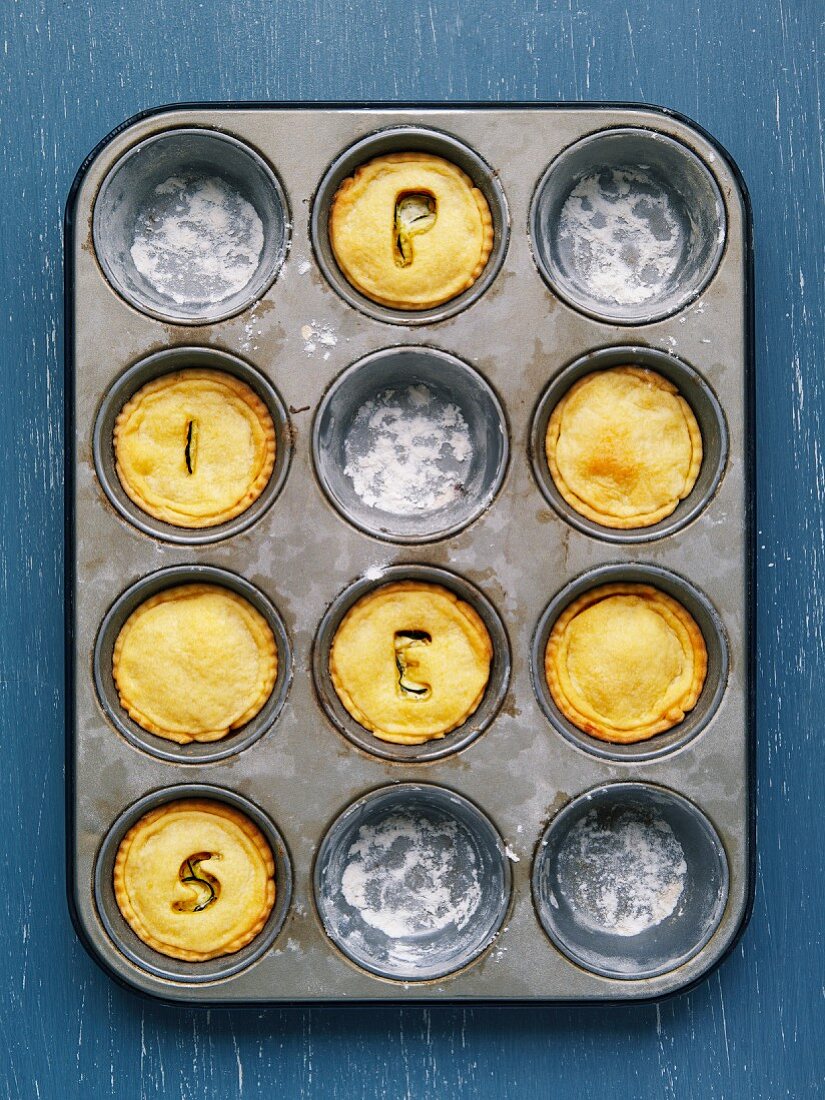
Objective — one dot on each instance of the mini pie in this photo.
(624, 447)
(625, 661)
(410, 661)
(194, 448)
(195, 879)
(194, 662)
(410, 230)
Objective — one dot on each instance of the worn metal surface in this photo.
(751, 72)
(301, 554)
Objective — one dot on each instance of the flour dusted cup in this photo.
(628, 225)
(410, 444)
(412, 882)
(191, 226)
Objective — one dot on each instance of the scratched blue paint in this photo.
(748, 70)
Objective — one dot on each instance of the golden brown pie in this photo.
(194, 448)
(410, 661)
(195, 879)
(625, 661)
(194, 662)
(624, 447)
(410, 230)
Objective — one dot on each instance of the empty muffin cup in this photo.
(412, 882)
(153, 367)
(437, 746)
(703, 614)
(630, 880)
(627, 225)
(704, 406)
(409, 139)
(190, 226)
(195, 752)
(410, 444)
(140, 953)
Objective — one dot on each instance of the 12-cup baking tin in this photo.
(517, 773)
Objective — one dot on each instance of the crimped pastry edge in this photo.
(167, 513)
(605, 519)
(124, 902)
(267, 648)
(487, 239)
(474, 622)
(675, 714)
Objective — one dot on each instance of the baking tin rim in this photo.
(436, 748)
(691, 597)
(484, 502)
(284, 882)
(601, 359)
(239, 144)
(481, 816)
(567, 810)
(122, 390)
(129, 600)
(449, 146)
(681, 303)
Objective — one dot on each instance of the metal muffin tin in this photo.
(395, 370)
(149, 164)
(478, 849)
(661, 165)
(302, 768)
(662, 946)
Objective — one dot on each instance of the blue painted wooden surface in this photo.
(748, 70)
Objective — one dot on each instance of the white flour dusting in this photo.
(623, 875)
(251, 329)
(620, 237)
(408, 451)
(318, 337)
(409, 876)
(196, 240)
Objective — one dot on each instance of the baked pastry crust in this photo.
(625, 661)
(194, 448)
(624, 447)
(410, 661)
(173, 858)
(194, 662)
(432, 264)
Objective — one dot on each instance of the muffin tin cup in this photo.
(436, 748)
(659, 947)
(409, 139)
(178, 153)
(195, 752)
(133, 947)
(692, 387)
(673, 174)
(422, 955)
(311, 341)
(713, 631)
(168, 361)
(451, 381)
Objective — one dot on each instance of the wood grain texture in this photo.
(748, 70)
